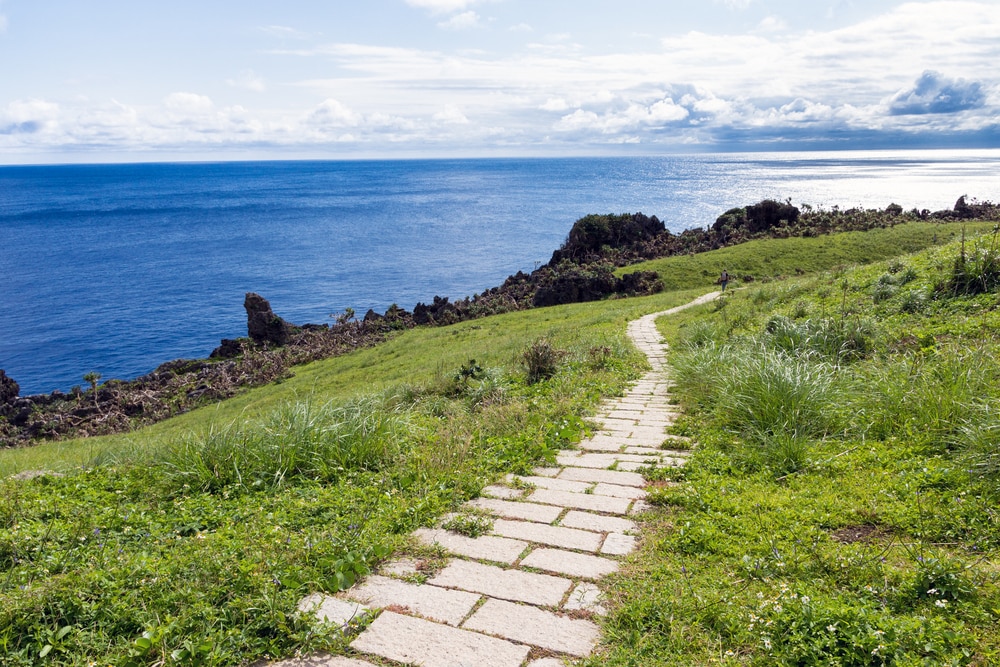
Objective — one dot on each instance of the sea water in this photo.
(118, 268)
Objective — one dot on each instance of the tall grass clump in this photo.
(297, 440)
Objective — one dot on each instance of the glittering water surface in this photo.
(117, 268)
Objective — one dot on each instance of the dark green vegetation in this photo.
(191, 541)
(842, 508)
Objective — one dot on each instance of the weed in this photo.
(541, 360)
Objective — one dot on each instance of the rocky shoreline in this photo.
(582, 269)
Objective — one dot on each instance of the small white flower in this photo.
(767, 643)
(805, 599)
(932, 591)
(831, 628)
(941, 603)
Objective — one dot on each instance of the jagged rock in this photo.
(263, 325)
(9, 390)
(229, 349)
(372, 316)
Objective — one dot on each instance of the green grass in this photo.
(770, 258)
(841, 508)
(191, 541)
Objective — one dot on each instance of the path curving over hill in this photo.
(527, 593)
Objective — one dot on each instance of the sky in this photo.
(120, 80)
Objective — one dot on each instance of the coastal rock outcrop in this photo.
(263, 325)
(9, 390)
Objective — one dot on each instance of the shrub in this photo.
(541, 360)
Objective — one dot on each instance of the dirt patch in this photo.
(854, 534)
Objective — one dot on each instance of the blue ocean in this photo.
(118, 268)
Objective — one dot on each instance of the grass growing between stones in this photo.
(842, 505)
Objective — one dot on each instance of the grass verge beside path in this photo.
(192, 541)
(841, 508)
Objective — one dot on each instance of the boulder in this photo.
(263, 326)
(9, 390)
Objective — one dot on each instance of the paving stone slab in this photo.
(558, 484)
(437, 604)
(605, 443)
(503, 492)
(556, 536)
(416, 641)
(548, 662)
(665, 462)
(644, 451)
(599, 461)
(402, 567)
(540, 589)
(322, 660)
(570, 563)
(536, 627)
(581, 501)
(512, 510)
(617, 544)
(546, 471)
(487, 547)
(598, 523)
(616, 491)
(585, 596)
(329, 609)
(608, 476)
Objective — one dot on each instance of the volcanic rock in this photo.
(263, 325)
(9, 389)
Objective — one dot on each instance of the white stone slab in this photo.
(598, 523)
(644, 451)
(329, 609)
(540, 589)
(570, 563)
(617, 544)
(558, 484)
(556, 536)
(321, 660)
(546, 472)
(547, 662)
(437, 604)
(536, 627)
(487, 547)
(403, 567)
(608, 476)
(511, 510)
(581, 501)
(617, 491)
(504, 492)
(416, 641)
(605, 443)
(585, 597)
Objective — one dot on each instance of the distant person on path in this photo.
(724, 279)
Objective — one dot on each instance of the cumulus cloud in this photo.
(188, 103)
(635, 116)
(451, 115)
(333, 113)
(461, 21)
(248, 80)
(934, 93)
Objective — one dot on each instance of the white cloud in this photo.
(772, 24)
(521, 27)
(451, 115)
(461, 21)
(248, 80)
(555, 104)
(441, 6)
(284, 32)
(188, 103)
(934, 93)
(735, 4)
(333, 113)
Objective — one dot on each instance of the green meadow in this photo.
(840, 507)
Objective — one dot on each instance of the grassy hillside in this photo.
(842, 506)
(191, 541)
(772, 258)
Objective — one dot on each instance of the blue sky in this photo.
(110, 80)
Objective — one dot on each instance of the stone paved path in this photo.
(527, 593)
